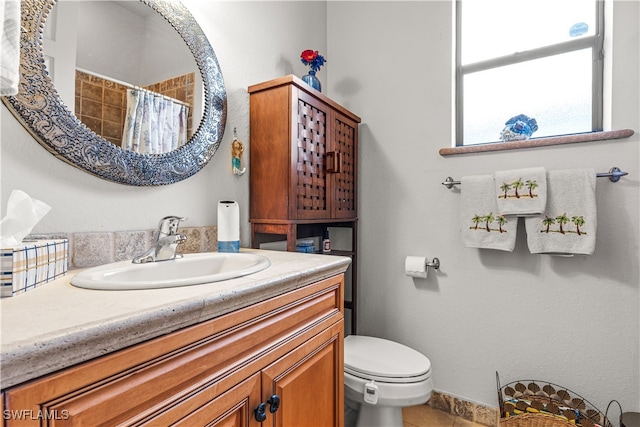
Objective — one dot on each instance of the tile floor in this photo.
(426, 416)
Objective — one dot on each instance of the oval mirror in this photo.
(41, 109)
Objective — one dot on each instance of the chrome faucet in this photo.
(167, 242)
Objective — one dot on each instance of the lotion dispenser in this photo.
(228, 226)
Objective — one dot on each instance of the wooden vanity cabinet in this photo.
(220, 372)
(303, 167)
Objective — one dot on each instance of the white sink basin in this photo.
(192, 269)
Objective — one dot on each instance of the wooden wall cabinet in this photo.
(303, 167)
(303, 154)
(233, 370)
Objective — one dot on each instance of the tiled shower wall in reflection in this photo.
(98, 248)
(101, 104)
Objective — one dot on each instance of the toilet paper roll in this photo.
(416, 266)
(228, 226)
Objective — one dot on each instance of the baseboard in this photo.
(471, 411)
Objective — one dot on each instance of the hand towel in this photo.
(9, 47)
(568, 225)
(481, 225)
(521, 192)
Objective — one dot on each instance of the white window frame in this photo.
(595, 42)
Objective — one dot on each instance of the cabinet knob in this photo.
(260, 412)
(274, 403)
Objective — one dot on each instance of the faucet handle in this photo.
(169, 224)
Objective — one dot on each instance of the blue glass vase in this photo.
(312, 80)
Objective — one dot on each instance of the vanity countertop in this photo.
(58, 325)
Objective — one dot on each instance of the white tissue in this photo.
(23, 213)
(416, 266)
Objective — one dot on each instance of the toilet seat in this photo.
(384, 361)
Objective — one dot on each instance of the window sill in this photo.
(539, 142)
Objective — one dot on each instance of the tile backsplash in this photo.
(470, 411)
(97, 248)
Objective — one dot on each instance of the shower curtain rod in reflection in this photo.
(131, 86)
(614, 175)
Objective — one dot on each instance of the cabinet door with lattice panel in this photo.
(309, 155)
(343, 171)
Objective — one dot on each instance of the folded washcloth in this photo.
(521, 192)
(9, 47)
(481, 225)
(568, 225)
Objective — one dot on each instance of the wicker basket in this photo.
(534, 403)
(534, 420)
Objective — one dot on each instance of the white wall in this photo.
(572, 321)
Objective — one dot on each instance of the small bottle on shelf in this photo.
(326, 242)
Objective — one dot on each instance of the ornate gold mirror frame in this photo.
(42, 112)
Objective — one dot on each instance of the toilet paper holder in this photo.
(418, 266)
(435, 264)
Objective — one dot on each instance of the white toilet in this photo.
(381, 377)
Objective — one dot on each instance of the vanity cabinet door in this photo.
(309, 383)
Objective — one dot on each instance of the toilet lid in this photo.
(384, 360)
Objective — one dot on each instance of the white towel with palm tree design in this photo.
(568, 225)
(481, 224)
(521, 192)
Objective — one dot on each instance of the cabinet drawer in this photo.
(132, 385)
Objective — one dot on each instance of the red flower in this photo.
(312, 59)
(308, 55)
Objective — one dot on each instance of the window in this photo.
(539, 58)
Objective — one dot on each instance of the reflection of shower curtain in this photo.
(154, 124)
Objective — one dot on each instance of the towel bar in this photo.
(614, 175)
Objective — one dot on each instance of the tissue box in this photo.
(31, 264)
